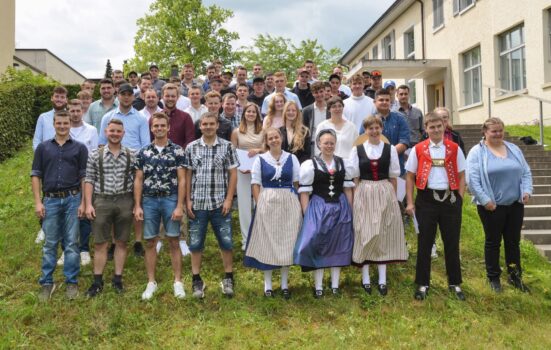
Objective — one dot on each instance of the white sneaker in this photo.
(61, 260)
(184, 248)
(149, 290)
(40, 237)
(159, 246)
(433, 253)
(179, 291)
(85, 258)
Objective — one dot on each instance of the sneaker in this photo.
(159, 246)
(111, 252)
(516, 281)
(150, 289)
(318, 293)
(286, 294)
(179, 291)
(117, 286)
(184, 248)
(94, 289)
(433, 252)
(46, 292)
(383, 290)
(138, 250)
(85, 258)
(367, 288)
(198, 289)
(71, 291)
(61, 260)
(421, 293)
(495, 285)
(40, 237)
(336, 292)
(227, 287)
(457, 291)
(269, 293)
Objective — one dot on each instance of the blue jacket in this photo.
(477, 174)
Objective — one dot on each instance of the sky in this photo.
(85, 33)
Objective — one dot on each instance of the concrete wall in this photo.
(53, 66)
(7, 34)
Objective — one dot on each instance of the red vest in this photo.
(424, 164)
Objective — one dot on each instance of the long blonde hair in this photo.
(300, 131)
(271, 108)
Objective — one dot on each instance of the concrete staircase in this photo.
(537, 214)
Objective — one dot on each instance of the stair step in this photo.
(544, 250)
(542, 189)
(539, 199)
(537, 223)
(541, 180)
(537, 210)
(539, 172)
(541, 166)
(537, 236)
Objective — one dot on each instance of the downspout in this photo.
(422, 28)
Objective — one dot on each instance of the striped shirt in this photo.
(209, 166)
(114, 169)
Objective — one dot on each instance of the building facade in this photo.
(476, 57)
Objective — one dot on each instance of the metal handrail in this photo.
(521, 94)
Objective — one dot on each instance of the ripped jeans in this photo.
(220, 224)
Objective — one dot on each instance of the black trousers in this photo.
(505, 221)
(431, 214)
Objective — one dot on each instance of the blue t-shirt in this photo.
(505, 175)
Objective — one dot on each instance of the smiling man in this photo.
(45, 124)
(182, 130)
(105, 104)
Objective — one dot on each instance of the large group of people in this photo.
(315, 168)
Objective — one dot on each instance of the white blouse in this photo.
(256, 171)
(374, 152)
(346, 136)
(307, 172)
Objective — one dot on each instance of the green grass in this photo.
(357, 321)
(531, 130)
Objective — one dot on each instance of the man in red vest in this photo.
(436, 167)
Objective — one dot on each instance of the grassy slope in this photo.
(510, 320)
(531, 130)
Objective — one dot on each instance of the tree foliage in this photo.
(276, 53)
(108, 69)
(182, 31)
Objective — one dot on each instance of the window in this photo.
(412, 92)
(437, 13)
(461, 5)
(472, 77)
(366, 57)
(375, 52)
(512, 62)
(409, 44)
(388, 46)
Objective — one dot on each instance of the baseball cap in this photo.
(389, 83)
(376, 73)
(153, 66)
(258, 80)
(126, 88)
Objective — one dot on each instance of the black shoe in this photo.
(421, 293)
(336, 292)
(138, 250)
(269, 293)
(111, 252)
(94, 289)
(318, 293)
(286, 294)
(117, 286)
(383, 290)
(457, 291)
(516, 281)
(367, 288)
(495, 285)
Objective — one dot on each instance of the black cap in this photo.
(126, 88)
(258, 80)
(132, 72)
(153, 66)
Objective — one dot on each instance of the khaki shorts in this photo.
(112, 211)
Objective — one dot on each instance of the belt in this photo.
(62, 194)
(158, 194)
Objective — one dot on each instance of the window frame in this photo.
(409, 55)
(437, 5)
(388, 43)
(375, 52)
(469, 71)
(506, 83)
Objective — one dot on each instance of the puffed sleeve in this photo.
(296, 168)
(256, 172)
(394, 169)
(354, 163)
(349, 171)
(306, 176)
(411, 164)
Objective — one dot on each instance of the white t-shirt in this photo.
(86, 134)
(357, 108)
(345, 137)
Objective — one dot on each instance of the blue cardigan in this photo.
(477, 173)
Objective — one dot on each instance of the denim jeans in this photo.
(85, 228)
(61, 223)
(220, 224)
(156, 209)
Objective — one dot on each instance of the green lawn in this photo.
(531, 130)
(356, 321)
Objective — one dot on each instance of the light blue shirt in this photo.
(136, 128)
(96, 111)
(289, 96)
(503, 174)
(44, 128)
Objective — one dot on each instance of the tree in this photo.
(276, 53)
(108, 70)
(182, 31)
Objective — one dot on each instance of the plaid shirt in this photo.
(160, 168)
(210, 165)
(114, 169)
(235, 119)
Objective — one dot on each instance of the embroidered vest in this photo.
(327, 186)
(374, 169)
(424, 164)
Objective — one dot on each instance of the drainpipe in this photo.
(422, 28)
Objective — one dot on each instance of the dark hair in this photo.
(241, 85)
(334, 76)
(208, 115)
(75, 102)
(333, 100)
(228, 95)
(161, 115)
(61, 113)
(116, 121)
(60, 90)
(382, 92)
(316, 86)
(107, 81)
(257, 121)
(403, 87)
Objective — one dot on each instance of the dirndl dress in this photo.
(378, 228)
(278, 216)
(326, 238)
